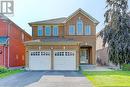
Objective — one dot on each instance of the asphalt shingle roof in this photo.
(51, 21)
(64, 19)
(58, 40)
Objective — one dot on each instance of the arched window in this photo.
(79, 27)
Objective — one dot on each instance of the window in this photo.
(55, 31)
(38, 53)
(79, 27)
(59, 53)
(88, 30)
(40, 31)
(71, 30)
(22, 36)
(48, 31)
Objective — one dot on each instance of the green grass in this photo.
(10, 72)
(109, 78)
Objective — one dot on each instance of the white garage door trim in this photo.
(40, 60)
(64, 60)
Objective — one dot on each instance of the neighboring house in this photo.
(62, 43)
(101, 52)
(12, 49)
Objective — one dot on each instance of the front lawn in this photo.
(10, 72)
(109, 78)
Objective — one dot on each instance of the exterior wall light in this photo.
(51, 47)
(64, 48)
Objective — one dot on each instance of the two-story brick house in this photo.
(62, 43)
(12, 49)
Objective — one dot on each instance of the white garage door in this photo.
(40, 60)
(64, 60)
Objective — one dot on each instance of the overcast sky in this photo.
(26, 11)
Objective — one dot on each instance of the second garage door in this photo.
(64, 60)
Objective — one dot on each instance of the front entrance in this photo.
(84, 56)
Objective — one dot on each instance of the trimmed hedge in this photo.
(126, 67)
(3, 69)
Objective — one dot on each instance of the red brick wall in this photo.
(16, 56)
(16, 45)
(3, 28)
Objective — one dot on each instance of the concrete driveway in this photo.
(46, 79)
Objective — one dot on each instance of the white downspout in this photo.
(9, 27)
(4, 56)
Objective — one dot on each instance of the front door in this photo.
(84, 56)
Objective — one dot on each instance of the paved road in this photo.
(46, 79)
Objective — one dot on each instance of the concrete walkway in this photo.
(46, 79)
(61, 81)
(97, 68)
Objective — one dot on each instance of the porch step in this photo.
(85, 67)
(95, 68)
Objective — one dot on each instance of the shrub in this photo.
(126, 67)
(3, 69)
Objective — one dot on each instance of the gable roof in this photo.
(85, 14)
(63, 20)
(50, 21)
(3, 40)
(6, 19)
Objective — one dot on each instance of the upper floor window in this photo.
(79, 27)
(40, 31)
(55, 31)
(88, 30)
(48, 30)
(22, 36)
(71, 30)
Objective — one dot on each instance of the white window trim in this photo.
(86, 28)
(74, 29)
(45, 30)
(77, 27)
(57, 31)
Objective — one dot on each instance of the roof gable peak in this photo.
(64, 19)
(84, 13)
